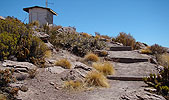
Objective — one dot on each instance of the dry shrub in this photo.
(91, 57)
(105, 37)
(105, 68)
(48, 54)
(163, 59)
(125, 39)
(97, 79)
(63, 63)
(97, 37)
(3, 97)
(73, 85)
(32, 73)
(146, 50)
(157, 49)
(85, 35)
(103, 53)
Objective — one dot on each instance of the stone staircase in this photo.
(129, 65)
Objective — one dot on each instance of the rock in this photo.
(150, 89)
(120, 48)
(43, 36)
(71, 74)
(153, 60)
(24, 88)
(141, 45)
(70, 30)
(141, 95)
(52, 83)
(79, 65)
(55, 69)
(18, 66)
(49, 45)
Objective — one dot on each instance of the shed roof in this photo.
(27, 9)
(2, 18)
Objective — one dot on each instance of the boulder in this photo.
(71, 74)
(55, 69)
(18, 66)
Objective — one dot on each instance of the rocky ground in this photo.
(125, 84)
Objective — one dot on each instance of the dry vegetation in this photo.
(146, 50)
(63, 63)
(96, 79)
(48, 54)
(106, 68)
(73, 85)
(86, 35)
(163, 59)
(91, 57)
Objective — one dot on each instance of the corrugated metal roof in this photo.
(27, 9)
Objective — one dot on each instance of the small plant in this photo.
(63, 63)
(97, 79)
(73, 85)
(86, 35)
(6, 77)
(91, 57)
(163, 59)
(103, 53)
(32, 73)
(146, 50)
(105, 68)
(125, 39)
(48, 54)
(157, 49)
(3, 97)
(160, 81)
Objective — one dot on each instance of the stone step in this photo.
(126, 57)
(121, 48)
(140, 69)
(125, 78)
(127, 60)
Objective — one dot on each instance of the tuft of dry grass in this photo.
(91, 57)
(146, 50)
(163, 59)
(63, 63)
(97, 79)
(73, 85)
(103, 53)
(48, 54)
(3, 97)
(105, 68)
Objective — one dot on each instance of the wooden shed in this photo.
(42, 14)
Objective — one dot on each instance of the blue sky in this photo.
(146, 20)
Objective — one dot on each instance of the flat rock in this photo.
(141, 95)
(126, 57)
(120, 48)
(141, 69)
(71, 74)
(21, 66)
(125, 54)
(55, 69)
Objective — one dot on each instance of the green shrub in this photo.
(16, 40)
(75, 43)
(160, 81)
